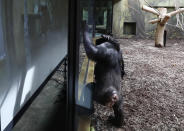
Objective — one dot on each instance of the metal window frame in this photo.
(73, 64)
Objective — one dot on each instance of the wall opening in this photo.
(129, 28)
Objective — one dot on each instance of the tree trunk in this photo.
(163, 17)
(159, 36)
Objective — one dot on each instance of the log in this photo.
(154, 21)
(180, 10)
(149, 9)
(159, 35)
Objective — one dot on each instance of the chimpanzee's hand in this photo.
(85, 27)
(107, 37)
(110, 39)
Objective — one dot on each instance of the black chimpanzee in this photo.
(109, 69)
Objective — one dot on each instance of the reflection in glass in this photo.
(36, 37)
(98, 16)
(2, 51)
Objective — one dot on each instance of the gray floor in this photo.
(46, 113)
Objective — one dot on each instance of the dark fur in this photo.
(116, 44)
(108, 71)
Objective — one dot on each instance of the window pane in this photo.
(2, 51)
(36, 37)
(98, 16)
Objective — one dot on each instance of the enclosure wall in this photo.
(129, 20)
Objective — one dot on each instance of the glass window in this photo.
(36, 37)
(84, 94)
(98, 16)
(45, 36)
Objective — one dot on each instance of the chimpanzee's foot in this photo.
(116, 122)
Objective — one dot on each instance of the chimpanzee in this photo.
(108, 38)
(109, 68)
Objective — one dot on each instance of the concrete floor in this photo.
(46, 113)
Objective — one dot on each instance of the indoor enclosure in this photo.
(47, 77)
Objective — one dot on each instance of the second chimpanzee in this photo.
(109, 69)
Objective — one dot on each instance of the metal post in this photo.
(73, 63)
(94, 18)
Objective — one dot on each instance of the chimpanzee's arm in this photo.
(90, 48)
(97, 53)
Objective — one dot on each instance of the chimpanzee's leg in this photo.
(122, 68)
(118, 118)
(121, 61)
(91, 87)
(118, 113)
(94, 95)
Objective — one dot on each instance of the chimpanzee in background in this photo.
(109, 69)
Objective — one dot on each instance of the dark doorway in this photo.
(129, 28)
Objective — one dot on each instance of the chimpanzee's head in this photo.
(110, 97)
